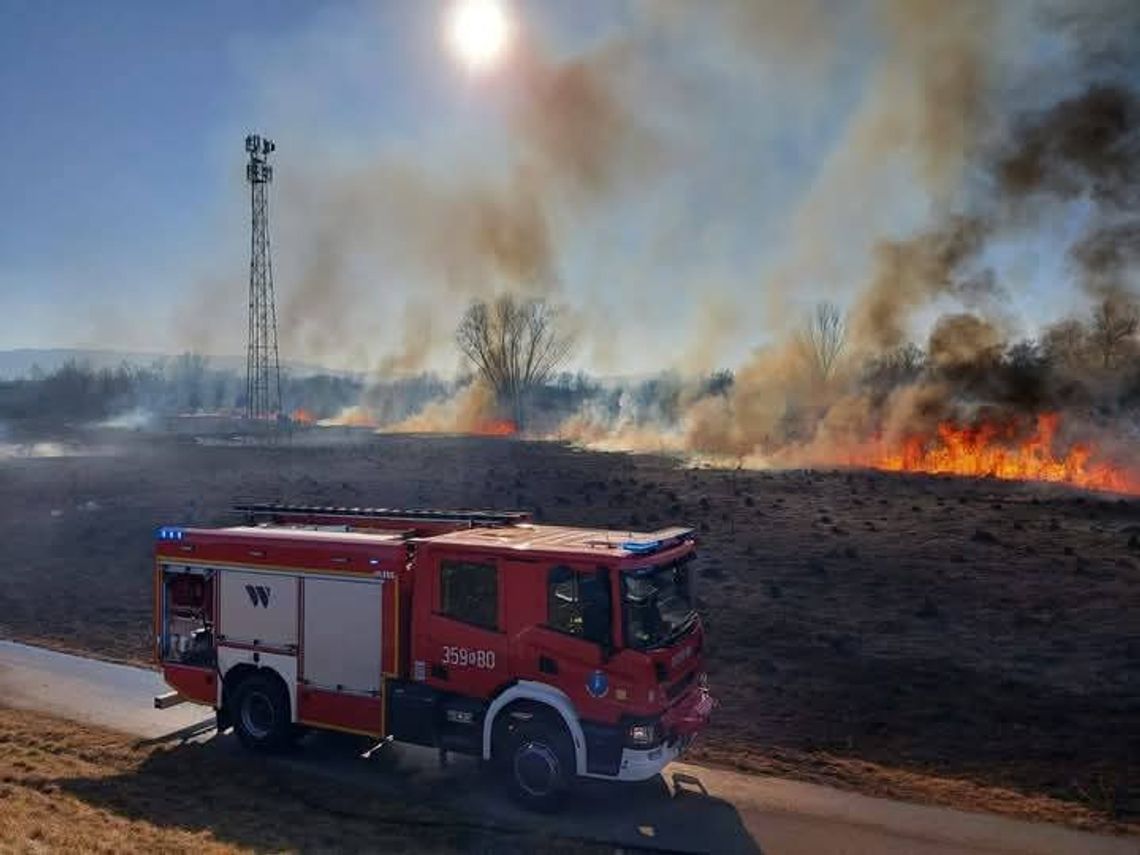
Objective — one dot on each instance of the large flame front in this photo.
(997, 450)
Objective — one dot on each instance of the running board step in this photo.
(170, 699)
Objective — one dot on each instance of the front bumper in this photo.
(643, 765)
(681, 724)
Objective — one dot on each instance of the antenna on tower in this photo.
(262, 365)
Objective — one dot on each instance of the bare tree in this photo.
(1066, 343)
(896, 366)
(822, 339)
(514, 345)
(1114, 324)
(907, 359)
(187, 373)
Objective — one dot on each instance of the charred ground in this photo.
(965, 641)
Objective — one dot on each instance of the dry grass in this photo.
(71, 788)
(970, 643)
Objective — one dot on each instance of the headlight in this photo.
(642, 735)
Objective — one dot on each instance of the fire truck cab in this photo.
(551, 652)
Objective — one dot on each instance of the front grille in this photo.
(678, 688)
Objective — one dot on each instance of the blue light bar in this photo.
(641, 547)
(170, 532)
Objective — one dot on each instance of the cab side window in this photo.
(579, 604)
(469, 592)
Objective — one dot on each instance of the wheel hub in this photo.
(257, 715)
(536, 768)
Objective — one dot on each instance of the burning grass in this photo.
(1004, 450)
(302, 416)
(495, 427)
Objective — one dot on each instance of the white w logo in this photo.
(258, 594)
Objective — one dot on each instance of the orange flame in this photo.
(303, 416)
(993, 450)
(495, 427)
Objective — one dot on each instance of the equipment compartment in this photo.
(187, 631)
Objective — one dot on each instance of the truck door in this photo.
(465, 646)
(568, 649)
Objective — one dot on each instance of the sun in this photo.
(479, 32)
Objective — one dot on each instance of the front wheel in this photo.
(538, 763)
(261, 713)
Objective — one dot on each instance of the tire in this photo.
(537, 763)
(261, 715)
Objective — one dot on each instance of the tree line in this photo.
(518, 348)
(77, 392)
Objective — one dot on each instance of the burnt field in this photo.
(969, 642)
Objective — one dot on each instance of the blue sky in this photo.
(120, 153)
(125, 215)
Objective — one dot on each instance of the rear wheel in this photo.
(536, 758)
(261, 714)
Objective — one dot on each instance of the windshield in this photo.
(658, 604)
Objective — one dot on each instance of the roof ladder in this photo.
(282, 512)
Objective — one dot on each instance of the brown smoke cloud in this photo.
(1084, 144)
(1109, 252)
(473, 410)
(940, 59)
(577, 137)
(936, 121)
(935, 102)
(908, 274)
(924, 106)
(395, 220)
(417, 335)
(718, 320)
(573, 140)
(801, 35)
(926, 101)
(1087, 146)
(575, 121)
(963, 340)
(751, 416)
(927, 98)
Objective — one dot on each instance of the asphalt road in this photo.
(690, 809)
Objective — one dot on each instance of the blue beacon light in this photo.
(641, 547)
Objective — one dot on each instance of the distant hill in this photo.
(19, 362)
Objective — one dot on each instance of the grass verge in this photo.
(74, 788)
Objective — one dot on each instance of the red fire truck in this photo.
(551, 652)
